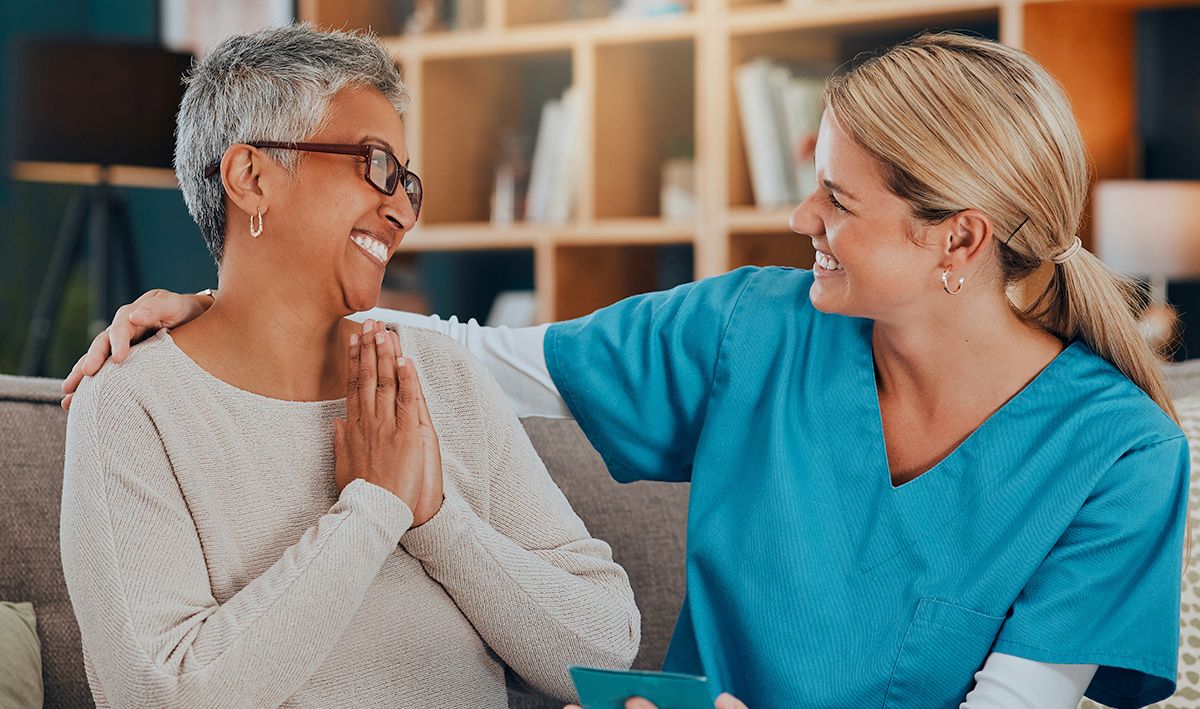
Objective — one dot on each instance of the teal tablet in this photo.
(608, 689)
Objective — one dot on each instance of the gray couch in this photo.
(644, 523)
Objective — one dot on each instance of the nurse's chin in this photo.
(831, 301)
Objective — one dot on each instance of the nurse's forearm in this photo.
(1010, 682)
(514, 356)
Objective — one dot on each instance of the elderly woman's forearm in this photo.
(542, 609)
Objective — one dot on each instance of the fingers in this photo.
(162, 308)
(352, 383)
(408, 395)
(154, 309)
(121, 333)
(97, 353)
(728, 701)
(71, 383)
(638, 703)
(66, 402)
(385, 387)
(367, 374)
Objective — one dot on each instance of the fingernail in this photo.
(379, 338)
(354, 340)
(401, 361)
(367, 327)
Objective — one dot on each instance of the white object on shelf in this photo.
(802, 116)
(651, 8)
(678, 198)
(514, 308)
(541, 171)
(566, 176)
(504, 195)
(554, 174)
(760, 108)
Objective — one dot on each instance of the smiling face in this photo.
(867, 262)
(329, 229)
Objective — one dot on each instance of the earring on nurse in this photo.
(255, 232)
(946, 284)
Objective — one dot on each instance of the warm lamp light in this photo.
(1149, 228)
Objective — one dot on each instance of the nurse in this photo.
(908, 489)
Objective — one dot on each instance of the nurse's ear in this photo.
(962, 239)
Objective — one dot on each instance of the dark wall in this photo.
(1168, 74)
(170, 249)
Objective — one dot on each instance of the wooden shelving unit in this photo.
(648, 83)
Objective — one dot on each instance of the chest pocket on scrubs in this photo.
(944, 647)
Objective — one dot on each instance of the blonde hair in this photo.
(958, 122)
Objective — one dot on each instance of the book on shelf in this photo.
(553, 175)
(780, 115)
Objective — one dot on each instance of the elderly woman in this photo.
(261, 507)
(907, 489)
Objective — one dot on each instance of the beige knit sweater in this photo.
(212, 563)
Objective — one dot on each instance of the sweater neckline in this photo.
(164, 335)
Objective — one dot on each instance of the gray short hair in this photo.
(274, 84)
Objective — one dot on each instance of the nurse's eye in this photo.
(836, 204)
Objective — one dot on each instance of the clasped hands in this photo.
(387, 437)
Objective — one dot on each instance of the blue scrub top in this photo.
(1054, 532)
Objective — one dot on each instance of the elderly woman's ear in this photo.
(248, 176)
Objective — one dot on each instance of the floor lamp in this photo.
(1151, 229)
(80, 109)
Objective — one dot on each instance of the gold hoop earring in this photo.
(255, 232)
(946, 284)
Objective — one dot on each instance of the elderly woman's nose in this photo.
(398, 211)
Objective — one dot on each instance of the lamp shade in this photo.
(84, 101)
(1148, 227)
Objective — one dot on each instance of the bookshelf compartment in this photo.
(590, 277)
(383, 18)
(739, 4)
(644, 114)
(518, 13)
(770, 249)
(460, 283)
(470, 108)
(818, 53)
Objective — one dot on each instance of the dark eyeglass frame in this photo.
(395, 177)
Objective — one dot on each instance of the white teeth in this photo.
(371, 246)
(828, 262)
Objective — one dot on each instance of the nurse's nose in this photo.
(805, 219)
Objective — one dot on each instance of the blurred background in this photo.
(574, 152)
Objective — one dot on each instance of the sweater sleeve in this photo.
(515, 356)
(137, 578)
(516, 558)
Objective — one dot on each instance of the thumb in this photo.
(728, 701)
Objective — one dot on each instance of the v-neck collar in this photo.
(885, 519)
(879, 441)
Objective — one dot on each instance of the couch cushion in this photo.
(32, 438)
(20, 657)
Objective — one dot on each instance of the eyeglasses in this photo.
(381, 168)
